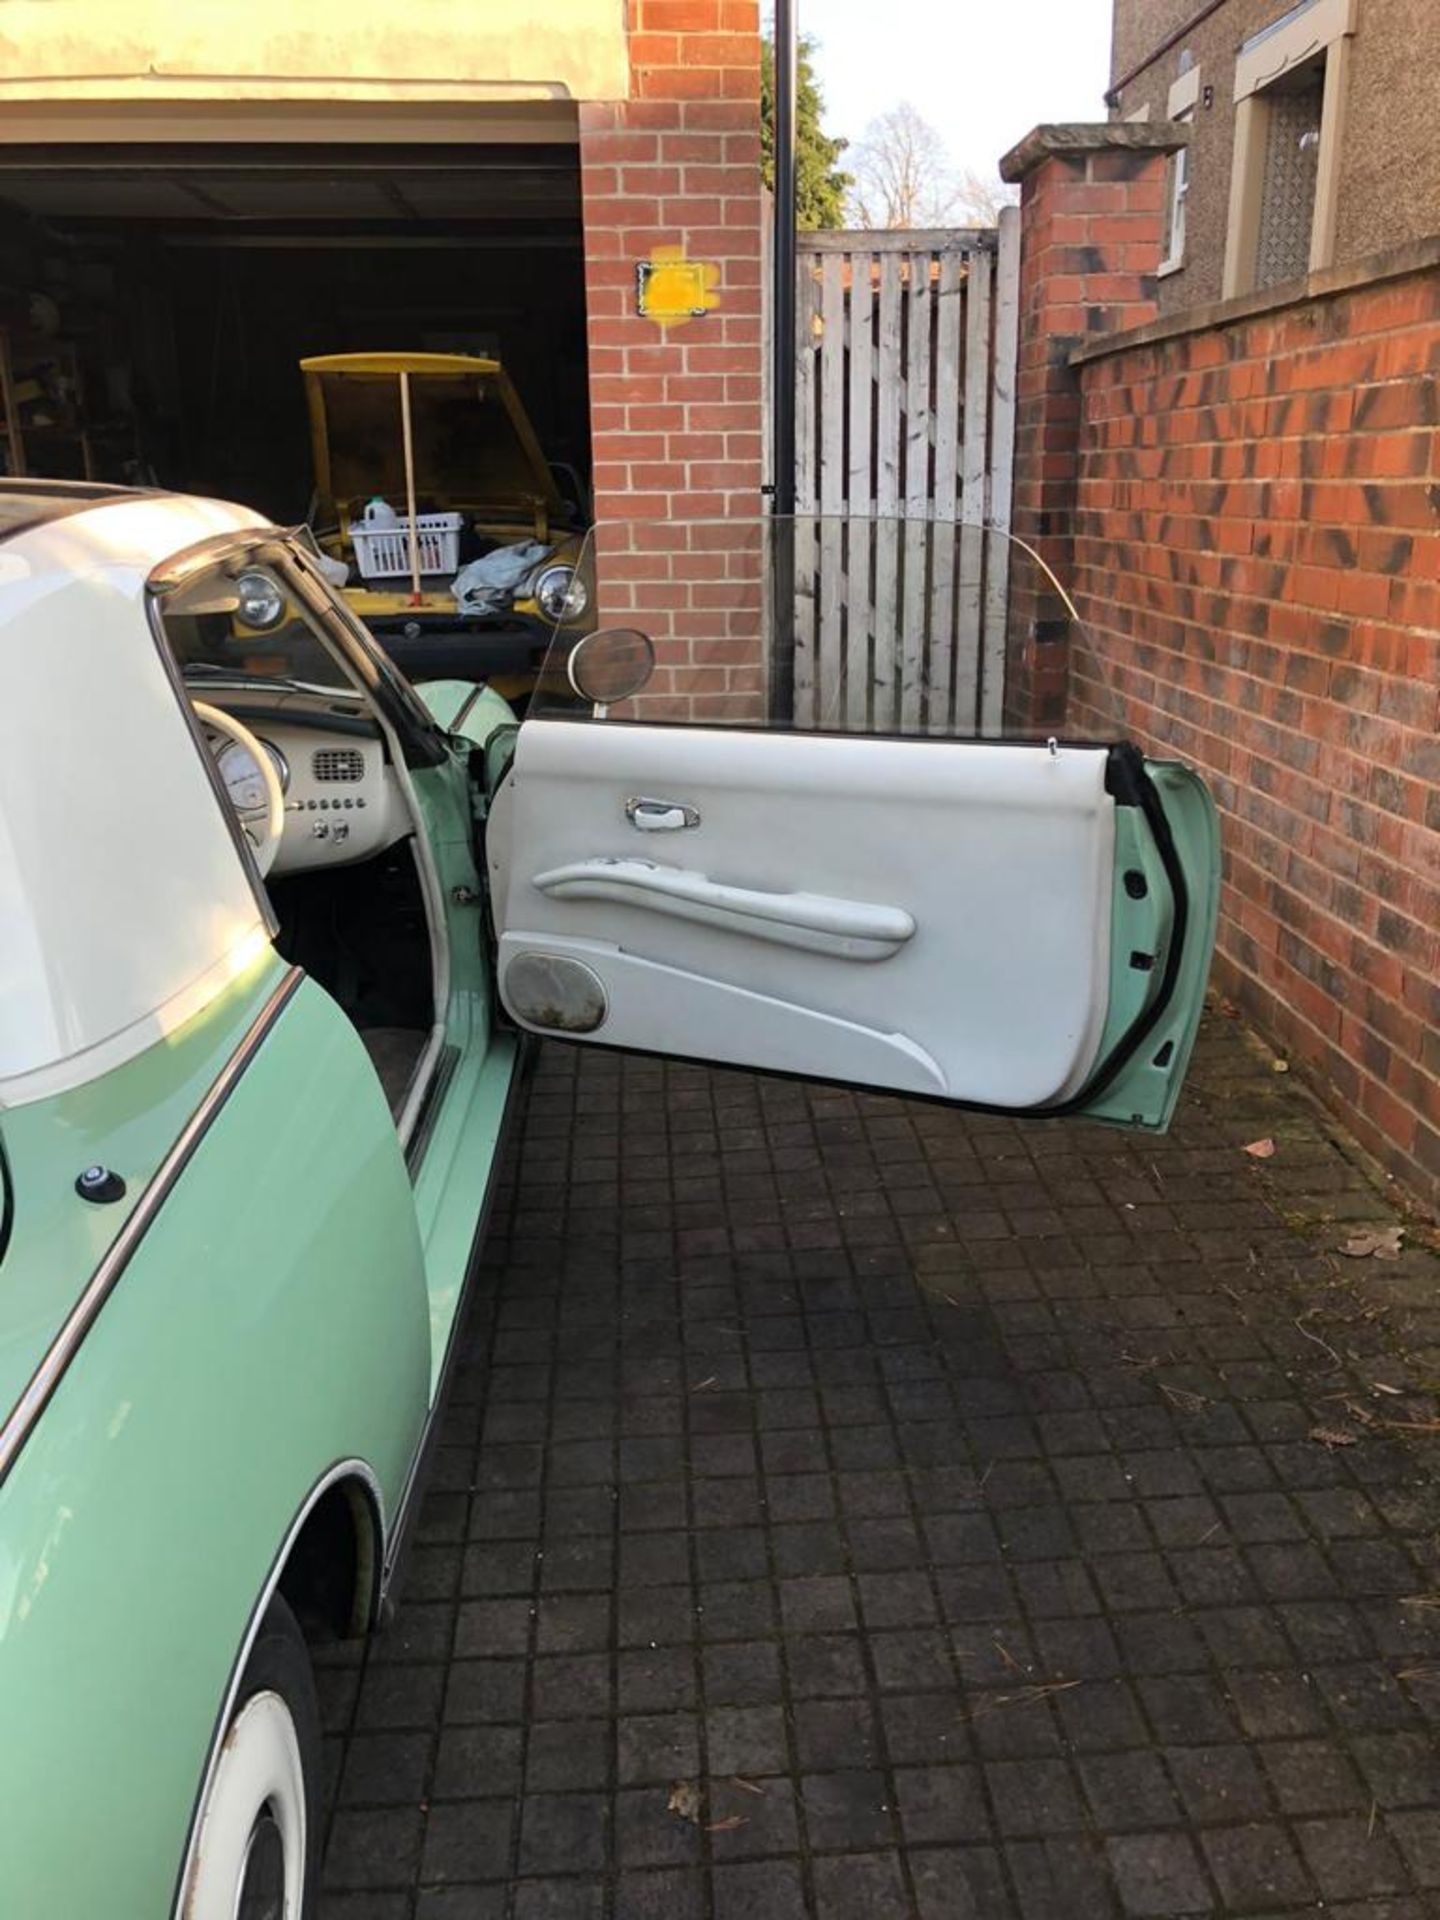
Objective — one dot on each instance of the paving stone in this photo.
(770, 1887)
(385, 1769)
(1033, 1796)
(1061, 1876)
(659, 1747)
(1351, 1859)
(567, 1753)
(467, 1840)
(1159, 1874)
(941, 1803)
(859, 1887)
(474, 1761)
(564, 1832)
(746, 1740)
(1311, 1776)
(751, 1816)
(1418, 1837)
(1256, 1867)
(559, 1900)
(647, 1834)
(846, 1810)
(666, 1895)
(1128, 1791)
(1219, 1783)
(455, 1903)
(375, 1849)
(960, 1883)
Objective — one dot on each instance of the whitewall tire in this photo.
(257, 1836)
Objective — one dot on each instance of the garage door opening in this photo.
(156, 301)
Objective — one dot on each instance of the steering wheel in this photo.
(263, 826)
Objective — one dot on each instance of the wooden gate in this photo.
(905, 429)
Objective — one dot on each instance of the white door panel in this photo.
(932, 916)
(741, 1027)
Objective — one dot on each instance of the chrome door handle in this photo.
(660, 816)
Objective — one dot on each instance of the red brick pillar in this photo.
(1091, 230)
(676, 412)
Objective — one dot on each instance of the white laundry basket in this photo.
(381, 552)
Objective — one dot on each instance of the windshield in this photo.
(241, 620)
(264, 614)
(831, 623)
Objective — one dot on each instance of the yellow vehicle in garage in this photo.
(462, 546)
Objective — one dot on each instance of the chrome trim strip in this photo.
(467, 707)
(351, 1469)
(22, 1417)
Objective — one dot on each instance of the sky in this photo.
(983, 72)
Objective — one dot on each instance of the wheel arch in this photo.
(348, 1493)
(331, 1573)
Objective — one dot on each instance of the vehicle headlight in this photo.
(259, 602)
(559, 595)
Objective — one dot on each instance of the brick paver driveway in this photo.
(951, 1518)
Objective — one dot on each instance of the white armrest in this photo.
(846, 929)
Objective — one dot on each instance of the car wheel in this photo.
(260, 1823)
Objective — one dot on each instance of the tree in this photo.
(978, 199)
(820, 186)
(904, 177)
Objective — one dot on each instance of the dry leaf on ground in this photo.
(1374, 1243)
(1333, 1436)
(685, 1800)
(1261, 1149)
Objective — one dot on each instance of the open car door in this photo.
(1023, 926)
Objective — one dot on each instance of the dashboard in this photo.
(343, 803)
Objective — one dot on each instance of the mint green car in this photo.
(274, 925)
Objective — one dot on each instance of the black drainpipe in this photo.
(782, 370)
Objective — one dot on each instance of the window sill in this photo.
(1167, 267)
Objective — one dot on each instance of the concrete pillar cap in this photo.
(1101, 136)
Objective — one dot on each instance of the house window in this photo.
(1181, 110)
(1290, 85)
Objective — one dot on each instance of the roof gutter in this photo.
(1112, 98)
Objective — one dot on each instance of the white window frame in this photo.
(1180, 108)
(1313, 28)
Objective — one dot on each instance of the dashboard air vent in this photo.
(338, 763)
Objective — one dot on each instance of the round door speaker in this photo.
(562, 995)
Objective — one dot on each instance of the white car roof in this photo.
(124, 904)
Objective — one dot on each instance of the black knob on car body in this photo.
(100, 1184)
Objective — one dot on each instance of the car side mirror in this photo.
(610, 664)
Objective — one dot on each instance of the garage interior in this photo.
(155, 301)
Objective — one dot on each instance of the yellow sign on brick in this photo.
(671, 289)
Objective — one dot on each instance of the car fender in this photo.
(269, 1332)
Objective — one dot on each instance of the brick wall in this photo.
(1091, 219)
(1257, 559)
(1248, 506)
(676, 415)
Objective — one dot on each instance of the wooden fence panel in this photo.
(905, 422)
(885, 661)
(972, 500)
(1004, 357)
